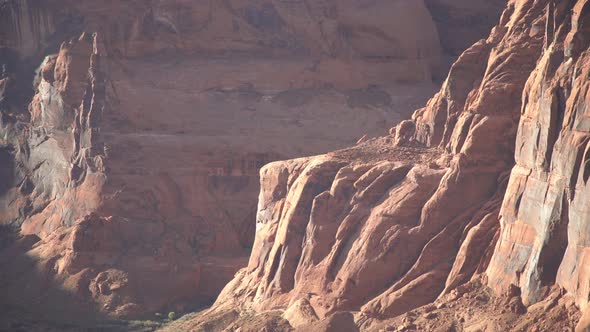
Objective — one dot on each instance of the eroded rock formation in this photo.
(436, 222)
(544, 215)
(385, 229)
(132, 165)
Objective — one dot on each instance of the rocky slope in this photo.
(132, 166)
(471, 216)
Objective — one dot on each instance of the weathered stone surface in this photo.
(396, 227)
(300, 313)
(544, 214)
(339, 321)
(584, 323)
(136, 162)
(408, 220)
(383, 30)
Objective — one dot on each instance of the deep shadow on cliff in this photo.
(33, 301)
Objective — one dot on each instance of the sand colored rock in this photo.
(434, 228)
(385, 229)
(300, 313)
(544, 214)
(469, 216)
(326, 28)
(135, 158)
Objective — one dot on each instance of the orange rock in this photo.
(543, 215)
(164, 118)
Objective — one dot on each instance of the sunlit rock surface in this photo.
(132, 134)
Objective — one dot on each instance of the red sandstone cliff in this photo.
(133, 165)
(475, 205)
(470, 217)
(544, 214)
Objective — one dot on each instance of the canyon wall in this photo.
(484, 186)
(132, 164)
(544, 215)
(132, 168)
(391, 224)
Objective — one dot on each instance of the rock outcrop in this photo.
(404, 31)
(477, 202)
(132, 165)
(544, 215)
(438, 211)
(387, 229)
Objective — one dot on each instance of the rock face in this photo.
(481, 193)
(462, 21)
(386, 229)
(400, 222)
(544, 215)
(133, 163)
